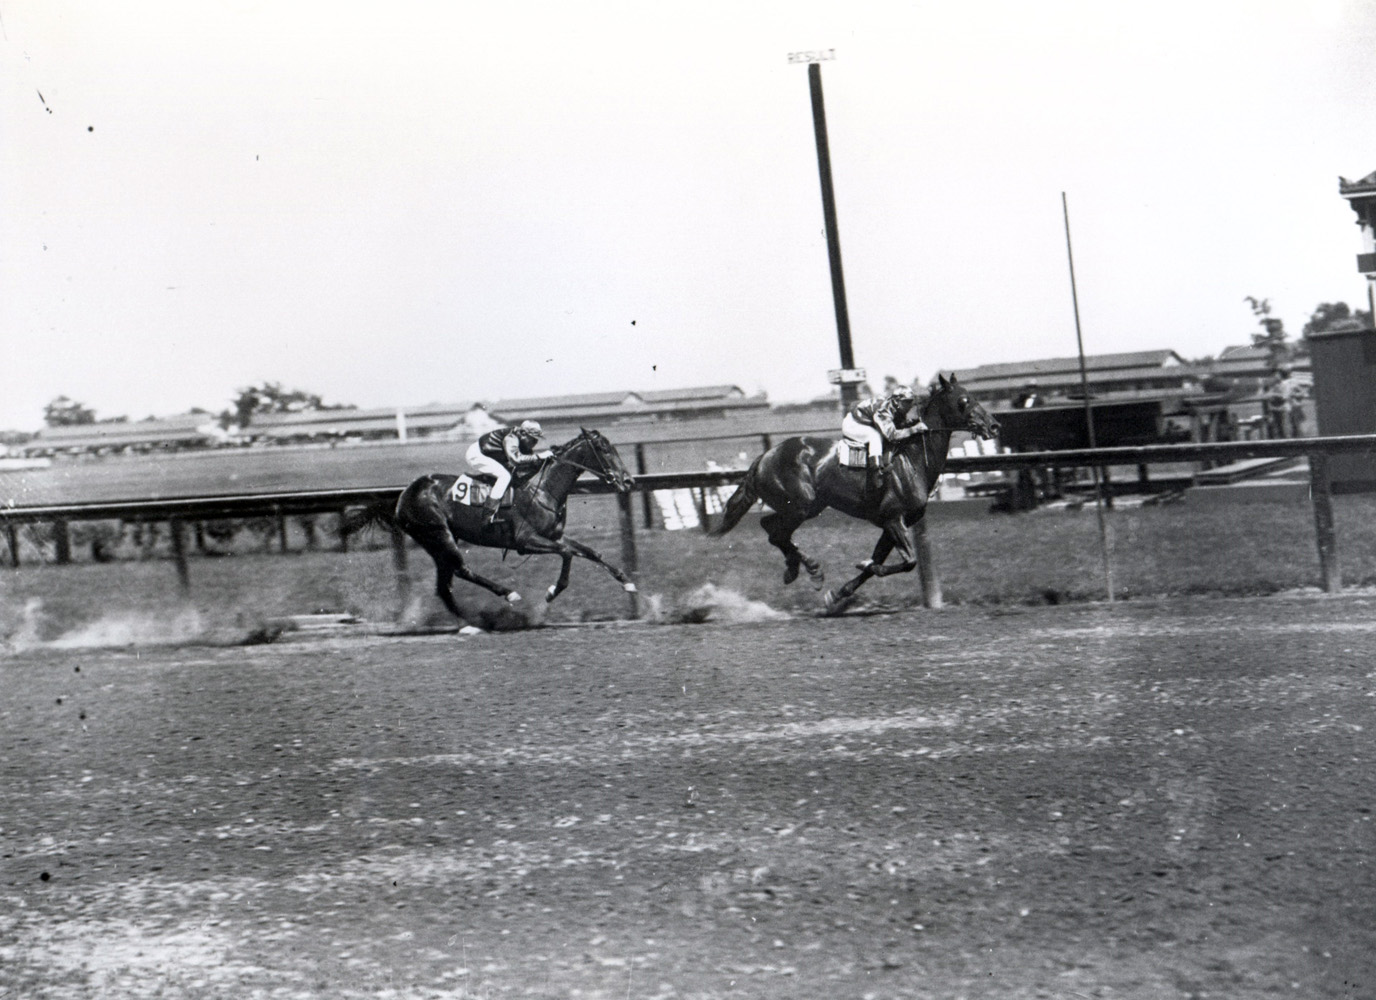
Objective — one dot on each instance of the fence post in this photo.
(12, 536)
(177, 530)
(630, 561)
(931, 584)
(1321, 492)
(282, 532)
(399, 569)
(646, 500)
(62, 542)
(700, 501)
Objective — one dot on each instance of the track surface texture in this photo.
(1151, 800)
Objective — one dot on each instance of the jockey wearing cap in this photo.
(500, 452)
(871, 422)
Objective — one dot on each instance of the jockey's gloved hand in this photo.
(544, 454)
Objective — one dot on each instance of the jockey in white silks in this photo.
(871, 422)
(500, 452)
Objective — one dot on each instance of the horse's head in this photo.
(599, 456)
(956, 410)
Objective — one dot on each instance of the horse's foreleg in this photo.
(895, 536)
(837, 599)
(579, 549)
(898, 536)
(557, 587)
(566, 549)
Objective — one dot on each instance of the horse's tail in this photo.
(740, 502)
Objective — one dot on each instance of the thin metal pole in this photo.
(838, 281)
(1089, 411)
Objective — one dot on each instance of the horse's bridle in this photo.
(603, 473)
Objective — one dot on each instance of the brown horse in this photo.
(430, 512)
(801, 477)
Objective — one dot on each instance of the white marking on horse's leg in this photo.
(629, 587)
(551, 592)
(470, 630)
(512, 597)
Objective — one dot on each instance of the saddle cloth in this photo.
(473, 491)
(851, 455)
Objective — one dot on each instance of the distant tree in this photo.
(270, 397)
(64, 412)
(1273, 336)
(1336, 316)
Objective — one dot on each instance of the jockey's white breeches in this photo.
(485, 463)
(863, 434)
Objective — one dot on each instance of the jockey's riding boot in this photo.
(490, 506)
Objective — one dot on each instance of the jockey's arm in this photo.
(883, 421)
(511, 447)
(911, 425)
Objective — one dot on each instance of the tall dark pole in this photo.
(838, 281)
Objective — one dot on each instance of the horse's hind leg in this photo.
(780, 530)
(443, 577)
(447, 555)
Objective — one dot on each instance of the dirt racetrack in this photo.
(1153, 800)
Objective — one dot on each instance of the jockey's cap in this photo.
(530, 428)
(903, 394)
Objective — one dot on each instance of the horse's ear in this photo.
(941, 379)
(953, 378)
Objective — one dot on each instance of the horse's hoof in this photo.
(866, 566)
(835, 605)
(513, 597)
(629, 588)
(551, 593)
(790, 574)
(470, 630)
(818, 579)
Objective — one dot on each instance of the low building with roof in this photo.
(187, 430)
(437, 421)
(442, 421)
(1137, 373)
(693, 403)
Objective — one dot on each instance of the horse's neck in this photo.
(938, 444)
(927, 453)
(558, 479)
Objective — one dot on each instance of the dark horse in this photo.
(801, 477)
(429, 512)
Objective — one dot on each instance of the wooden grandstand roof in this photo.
(1024, 370)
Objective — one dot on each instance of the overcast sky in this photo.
(393, 204)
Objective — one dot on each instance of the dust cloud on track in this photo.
(1150, 800)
